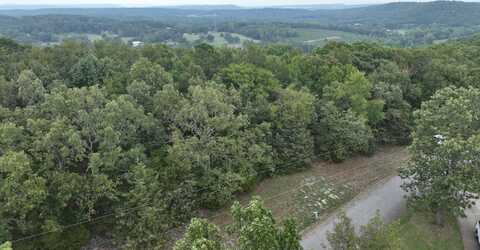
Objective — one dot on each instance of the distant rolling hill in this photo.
(439, 12)
(401, 13)
(401, 23)
(59, 6)
(322, 6)
(204, 7)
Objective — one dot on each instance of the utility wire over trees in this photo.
(374, 171)
(105, 138)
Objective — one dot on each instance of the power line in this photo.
(332, 178)
(335, 176)
(112, 212)
(132, 209)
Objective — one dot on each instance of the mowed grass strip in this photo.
(419, 232)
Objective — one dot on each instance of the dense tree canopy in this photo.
(149, 136)
(256, 228)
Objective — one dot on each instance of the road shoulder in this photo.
(387, 197)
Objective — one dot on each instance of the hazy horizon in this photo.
(149, 3)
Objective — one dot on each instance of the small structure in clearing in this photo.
(137, 43)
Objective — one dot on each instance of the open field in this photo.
(218, 40)
(319, 37)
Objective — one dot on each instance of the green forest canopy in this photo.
(147, 136)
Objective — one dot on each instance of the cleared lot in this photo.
(310, 196)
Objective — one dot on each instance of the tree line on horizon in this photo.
(398, 24)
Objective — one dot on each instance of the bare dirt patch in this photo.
(310, 195)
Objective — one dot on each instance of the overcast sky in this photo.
(188, 2)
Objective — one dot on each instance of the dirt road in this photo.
(387, 197)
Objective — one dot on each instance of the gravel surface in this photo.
(387, 197)
(467, 227)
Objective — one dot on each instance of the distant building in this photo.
(137, 43)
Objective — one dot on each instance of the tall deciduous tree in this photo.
(86, 72)
(25, 91)
(22, 192)
(354, 93)
(158, 208)
(152, 74)
(293, 114)
(340, 133)
(256, 87)
(213, 146)
(375, 235)
(445, 166)
(256, 228)
(8, 93)
(30, 89)
(393, 86)
(200, 235)
(378, 235)
(343, 236)
(6, 246)
(208, 58)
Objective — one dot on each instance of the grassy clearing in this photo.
(318, 197)
(218, 40)
(318, 37)
(310, 195)
(418, 231)
(88, 36)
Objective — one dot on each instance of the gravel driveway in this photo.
(387, 197)
(467, 227)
